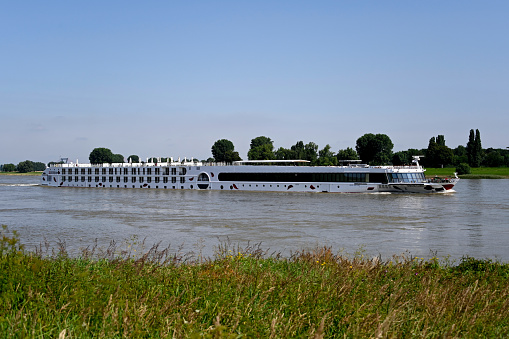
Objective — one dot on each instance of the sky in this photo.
(169, 78)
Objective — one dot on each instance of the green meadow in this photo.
(476, 173)
(17, 173)
(128, 291)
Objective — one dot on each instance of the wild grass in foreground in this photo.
(244, 292)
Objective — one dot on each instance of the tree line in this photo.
(23, 167)
(372, 149)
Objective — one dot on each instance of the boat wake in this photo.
(18, 185)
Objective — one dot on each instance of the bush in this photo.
(463, 168)
(25, 166)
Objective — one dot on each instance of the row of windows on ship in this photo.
(126, 179)
(125, 171)
(268, 177)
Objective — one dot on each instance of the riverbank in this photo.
(17, 173)
(244, 292)
(476, 173)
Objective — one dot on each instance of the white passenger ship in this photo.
(265, 175)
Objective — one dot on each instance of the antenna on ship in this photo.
(416, 159)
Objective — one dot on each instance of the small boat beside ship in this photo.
(257, 175)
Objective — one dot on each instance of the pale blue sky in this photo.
(169, 78)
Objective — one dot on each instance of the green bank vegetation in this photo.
(476, 173)
(245, 292)
(18, 173)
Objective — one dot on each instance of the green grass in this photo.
(477, 173)
(243, 292)
(17, 173)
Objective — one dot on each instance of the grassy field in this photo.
(477, 173)
(244, 293)
(17, 173)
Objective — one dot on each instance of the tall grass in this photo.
(245, 292)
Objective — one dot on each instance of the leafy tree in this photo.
(471, 147)
(347, 154)
(326, 157)
(460, 155)
(443, 156)
(375, 149)
(133, 159)
(261, 140)
(39, 166)
(440, 140)
(406, 157)
(311, 152)
(262, 152)
(224, 151)
(298, 150)
(117, 158)
(493, 159)
(284, 154)
(231, 156)
(101, 156)
(25, 166)
(400, 158)
(262, 148)
(9, 168)
(474, 149)
(437, 154)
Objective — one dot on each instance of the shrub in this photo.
(463, 168)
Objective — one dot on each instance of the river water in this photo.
(473, 221)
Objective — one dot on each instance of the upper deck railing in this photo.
(235, 163)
